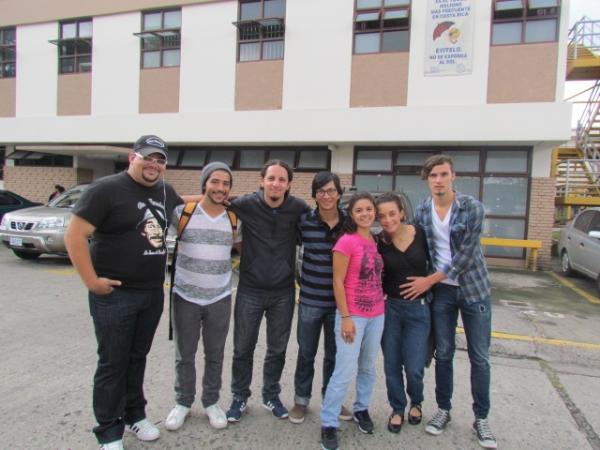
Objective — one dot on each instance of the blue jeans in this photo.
(124, 321)
(405, 335)
(248, 314)
(477, 322)
(310, 321)
(353, 359)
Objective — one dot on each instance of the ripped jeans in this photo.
(477, 321)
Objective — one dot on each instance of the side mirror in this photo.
(594, 234)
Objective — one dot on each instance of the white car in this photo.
(30, 232)
(579, 245)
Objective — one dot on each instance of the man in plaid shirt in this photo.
(459, 281)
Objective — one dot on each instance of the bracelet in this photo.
(345, 317)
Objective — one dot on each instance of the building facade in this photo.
(365, 88)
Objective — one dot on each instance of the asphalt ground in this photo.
(545, 374)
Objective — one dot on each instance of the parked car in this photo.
(9, 201)
(32, 231)
(579, 245)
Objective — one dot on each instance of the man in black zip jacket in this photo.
(269, 219)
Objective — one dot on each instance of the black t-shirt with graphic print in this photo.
(128, 244)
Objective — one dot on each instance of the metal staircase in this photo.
(577, 166)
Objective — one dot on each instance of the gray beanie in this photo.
(210, 168)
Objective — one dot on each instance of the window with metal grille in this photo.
(160, 39)
(8, 52)
(261, 29)
(381, 26)
(525, 21)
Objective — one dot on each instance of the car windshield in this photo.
(67, 199)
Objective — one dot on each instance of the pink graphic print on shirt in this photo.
(371, 266)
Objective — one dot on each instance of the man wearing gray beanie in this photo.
(210, 168)
(202, 295)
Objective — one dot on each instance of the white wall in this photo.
(37, 70)
(208, 52)
(563, 43)
(116, 64)
(482, 124)
(342, 159)
(455, 89)
(542, 159)
(318, 54)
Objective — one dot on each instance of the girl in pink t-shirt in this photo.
(359, 297)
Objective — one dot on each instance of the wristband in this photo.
(345, 317)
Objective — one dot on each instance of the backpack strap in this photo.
(233, 219)
(186, 215)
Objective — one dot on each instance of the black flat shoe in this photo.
(393, 427)
(415, 420)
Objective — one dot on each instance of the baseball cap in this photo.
(148, 144)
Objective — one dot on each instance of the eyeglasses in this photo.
(151, 160)
(330, 192)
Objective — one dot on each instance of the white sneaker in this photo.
(114, 445)
(216, 416)
(176, 417)
(144, 430)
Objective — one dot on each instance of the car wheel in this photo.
(565, 264)
(26, 255)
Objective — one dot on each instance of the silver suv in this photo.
(30, 232)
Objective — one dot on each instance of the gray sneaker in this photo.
(438, 422)
(481, 427)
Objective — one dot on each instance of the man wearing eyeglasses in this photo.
(124, 271)
(319, 229)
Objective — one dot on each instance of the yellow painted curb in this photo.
(589, 297)
(540, 340)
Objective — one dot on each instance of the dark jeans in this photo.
(189, 321)
(124, 321)
(248, 313)
(404, 342)
(477, 322)
(310, 321)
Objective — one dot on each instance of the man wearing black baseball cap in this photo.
(124, 272)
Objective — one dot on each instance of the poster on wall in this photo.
(449, 37)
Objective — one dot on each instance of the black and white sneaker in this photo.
(481, 427)
(365, 424)
(329, 440)
(276, 407)
(438, 422)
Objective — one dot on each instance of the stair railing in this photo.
(585, 33)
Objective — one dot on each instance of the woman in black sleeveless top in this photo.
(407, 322)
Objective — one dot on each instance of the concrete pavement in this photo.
(545, 374)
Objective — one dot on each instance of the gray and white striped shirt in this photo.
(203, 266)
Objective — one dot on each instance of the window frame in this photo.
(262, 25)
(160, 34)
(237, 157)
(381, 30)
(525, 18)
(66, 44)
(39, 159)
(481, 173)
(6, 47)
